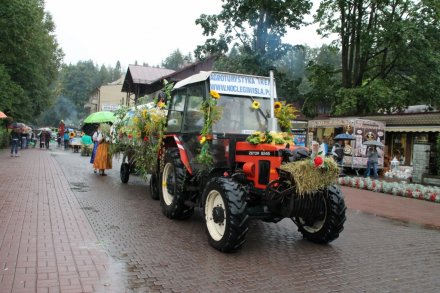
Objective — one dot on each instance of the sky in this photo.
(146, 31)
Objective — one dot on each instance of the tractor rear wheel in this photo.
(172, 187)
(125, 172)
(224, 211)
(326, 226)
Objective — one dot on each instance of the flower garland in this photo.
(141, 137)
(417, 191)
(285, 114)
(271, 137)
(212, 113)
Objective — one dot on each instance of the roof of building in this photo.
(408, 119)
(143, 75)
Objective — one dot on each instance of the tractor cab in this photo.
(244, 104)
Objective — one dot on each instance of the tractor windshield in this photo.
(239, 115)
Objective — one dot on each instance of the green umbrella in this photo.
(100, 117)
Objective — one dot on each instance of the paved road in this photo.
(65, 229)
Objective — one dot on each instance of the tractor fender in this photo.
(183, 155)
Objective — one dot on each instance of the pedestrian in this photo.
(61, 128)
(41, 137)
(372, 161)
(338, 152)
(66, 140)
(23, 140)
(324, 146)
(47, 139)
(86, 144)
(15, 137)
(102, 159)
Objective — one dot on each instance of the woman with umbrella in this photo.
(15, 137)
(102, 160)
(372, 157)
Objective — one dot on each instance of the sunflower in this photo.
(277, 106)
(256, 105)
(161, 105)
(202, 139)
(214, 94)
(72, 134)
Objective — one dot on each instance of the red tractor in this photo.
(244, 180)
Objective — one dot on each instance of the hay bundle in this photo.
(309, 178)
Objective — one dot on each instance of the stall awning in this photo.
(417, 128)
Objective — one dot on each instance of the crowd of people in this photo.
(96, 145)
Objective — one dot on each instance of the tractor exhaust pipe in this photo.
(273, 122)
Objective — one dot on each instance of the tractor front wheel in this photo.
(224, 210)
(172, 187)
(329, 222)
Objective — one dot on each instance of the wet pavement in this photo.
(65, 229)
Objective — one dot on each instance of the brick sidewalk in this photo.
(411, 210)
(46, 241)
(48, 245)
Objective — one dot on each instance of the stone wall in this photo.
(420, 161)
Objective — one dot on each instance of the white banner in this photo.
(110, 107)
(237, 84)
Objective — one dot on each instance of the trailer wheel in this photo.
(325, 227)
(154, 186)
(125, 172)
(172, 187)
(224, 211)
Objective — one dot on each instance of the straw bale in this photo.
(308, 178)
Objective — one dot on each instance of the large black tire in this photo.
(124, 172)
(327, 226)
(172, 187)
(154, 187)
(224, 211)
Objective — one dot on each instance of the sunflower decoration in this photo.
(255, 105)
(285, 114)
(140, 137)
(277, 107)
(214, 94)
(272, 137)
(212, 113)
(72, 134)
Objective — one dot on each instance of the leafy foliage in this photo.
(73, 89)
(389, 54)
(212, 114)
(29, 58)
(268, 21)
(438, 155)
(177, 60)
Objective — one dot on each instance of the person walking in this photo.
(95, 147)
(15, 137)
(373, 159)
(338, 152)
(102, 160)
(47, 139)
(66, 140)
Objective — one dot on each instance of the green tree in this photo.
(73, 89)
(177, 60)
(29, 56)
(267, 20)
(389, 53)
(250, 41)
